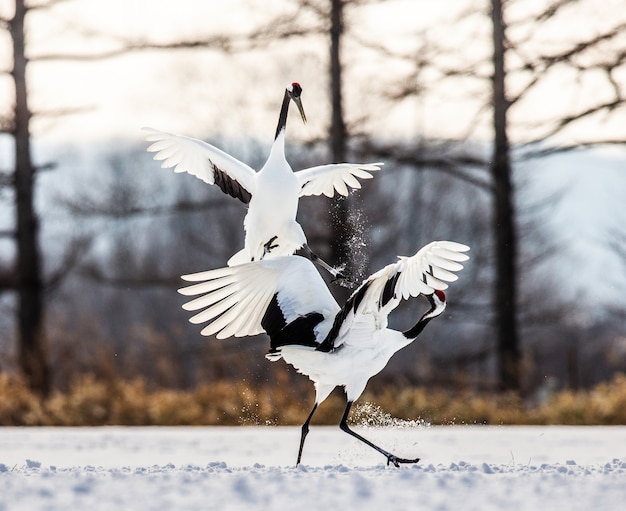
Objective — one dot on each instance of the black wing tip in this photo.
(389, 291)
(230, 186)
(299, 332)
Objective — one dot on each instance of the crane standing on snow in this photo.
(286, 298)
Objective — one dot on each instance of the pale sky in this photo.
(208, 93)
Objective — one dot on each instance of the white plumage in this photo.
(335, 346)
(272, 194)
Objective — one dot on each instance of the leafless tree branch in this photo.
(549, 151)
(58, 112)
(44, 167)
(415, 56)
(550, 11)
(553, 9)
(453, 165)
(555, 58)
(45, 5)
(539, 65)
(527, 88)
(122, 208)
(77, 248)
(6, 124)
(285, 26)
(567, 120)
(610, 72)
(288, 26)
(95, 273)
(6, 179)
(453, 169)
(221, 43)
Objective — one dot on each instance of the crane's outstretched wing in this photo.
(429, 269)
(423, 273)
(204, 161)
(325, 179)
(284, 296)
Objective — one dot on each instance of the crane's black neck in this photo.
(431, 313)
(414, 331)
(284, 110)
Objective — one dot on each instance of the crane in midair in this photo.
(271, 194)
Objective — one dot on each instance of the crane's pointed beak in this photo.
(298, 103)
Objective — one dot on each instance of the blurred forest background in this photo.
(501, 123)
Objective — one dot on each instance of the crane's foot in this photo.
(397, 461)
(269, 246)
(341, 280)
(337, 273)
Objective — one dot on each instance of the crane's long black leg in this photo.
(391, 458)
(339, 277)
(305, 432)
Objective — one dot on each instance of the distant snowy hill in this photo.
(589, 193)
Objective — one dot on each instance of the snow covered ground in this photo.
(250, 468)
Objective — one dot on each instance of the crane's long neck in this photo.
(437, 307)
(282, 118)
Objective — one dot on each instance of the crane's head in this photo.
(437, 303)
(295, 91)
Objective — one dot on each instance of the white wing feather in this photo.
(234, 300)
(195, 157)
(326, 179)
(227, 295)
(429, 269)
(432, 264)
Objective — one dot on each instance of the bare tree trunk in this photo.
(340, 218)
(504, 222)
(32, 354)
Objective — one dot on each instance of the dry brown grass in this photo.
(92, 402)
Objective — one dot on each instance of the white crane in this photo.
(272, 194)
(286, 298)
